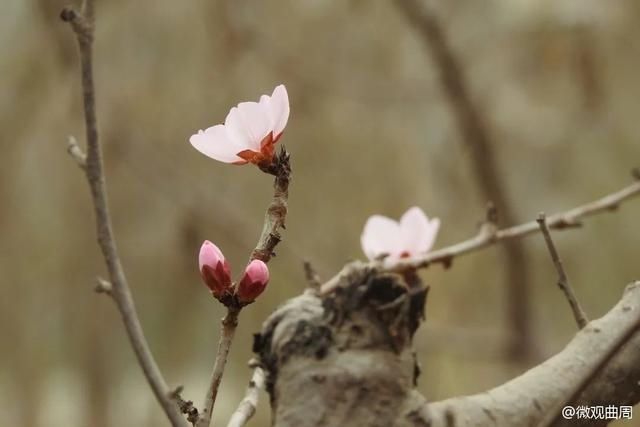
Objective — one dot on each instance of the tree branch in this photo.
(227, 331)
(476, 134)
(600, 366)
(276, 214)
(247, 407)
(563, 280)
(489, 236)
(593, 369)
(82, 25)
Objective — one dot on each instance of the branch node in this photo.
(492, 213)
(103, 286)
(80, 24)
(68, 14)
(76, 152)
(186, 407)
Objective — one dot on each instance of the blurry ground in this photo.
(369, 133)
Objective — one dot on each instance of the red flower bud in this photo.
(214, 269)
(253, 282)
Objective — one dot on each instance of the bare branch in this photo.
(227, 331)
(563, 280)
(247, 407)
(276, 214)
(82, 25)
(559, 221)
(625, 336)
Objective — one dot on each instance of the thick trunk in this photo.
(345, 359)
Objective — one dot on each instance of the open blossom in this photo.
(249, 132)
(385, 237)
(253, 282)
(214, 269)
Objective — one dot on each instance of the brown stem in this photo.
(83, 27)
(274, 218)
(227, 331)
(563, 280)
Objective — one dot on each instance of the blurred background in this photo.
(553, 83)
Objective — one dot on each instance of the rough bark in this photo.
(345, 359)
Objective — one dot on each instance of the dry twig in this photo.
(559, 221)
(82, 24)
(563, 280)
(274, 218)
(247, 407)
(311, 275)
(227, 331)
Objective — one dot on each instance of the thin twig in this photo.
(476, 134)
(559, 221)
(82, 25)
(247, 407)
(555, 414)
(227, 331)
(311, 275)
(276, 214)
(563, 280)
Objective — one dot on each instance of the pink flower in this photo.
(214, 269)
(253, 282)
(249, 132)
(413, 235)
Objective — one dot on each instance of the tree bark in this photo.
(346, 359)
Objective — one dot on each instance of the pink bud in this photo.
(214, 269)
(253, 282)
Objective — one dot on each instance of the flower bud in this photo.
(214, 269)
(253, 282)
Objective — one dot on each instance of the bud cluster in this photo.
(216, 274)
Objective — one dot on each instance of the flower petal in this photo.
(417, 233)
(381, 235)
(279, 109)
(214, 142)
(248, 124)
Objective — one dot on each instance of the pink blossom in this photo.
(414, 234)
(253, 282)
(249, 132)
(214, 269)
